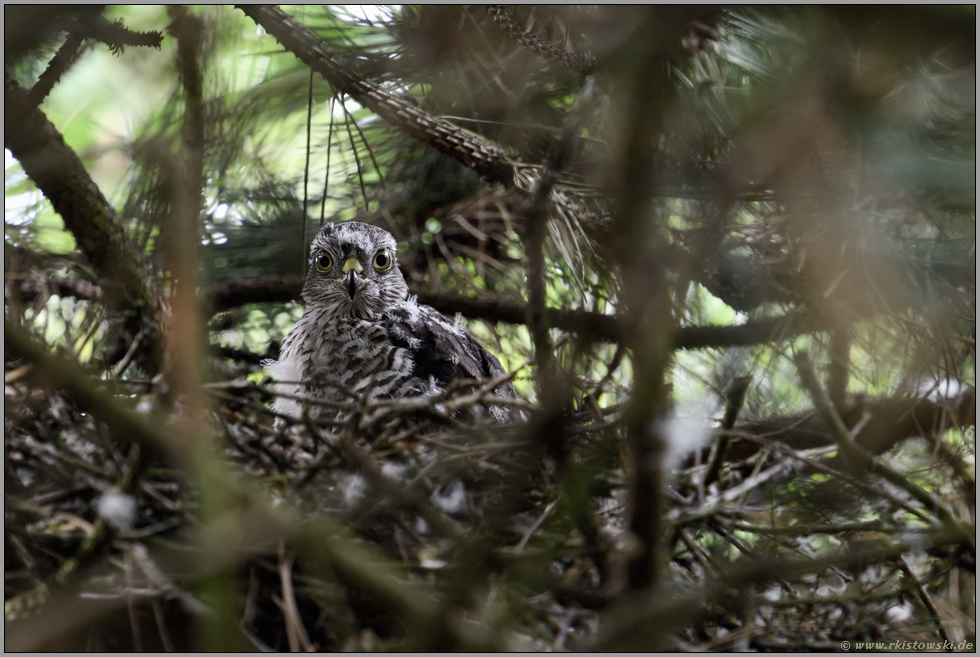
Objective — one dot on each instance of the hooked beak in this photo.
(352, 267)
(350, 283)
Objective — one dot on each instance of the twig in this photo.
(741, 546)
(735, 397)
(121, 366)
(353, 147)
(117, 36)
(707, 561)
(871, 463)
(56, 373)
(306, 175)
(67, 54)
(16, 375)
(360, 133)
(168, 645)
(634, 617)
(803, 530)
(711, 506)
(295, 631)
(326, 175)
(826, 469)
(537, 523)
(925, 598)
(134, 625)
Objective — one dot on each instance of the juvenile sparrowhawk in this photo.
(364, 332)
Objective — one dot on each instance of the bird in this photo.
(365, 335)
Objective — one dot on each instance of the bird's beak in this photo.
(350, 283)
(352, 267)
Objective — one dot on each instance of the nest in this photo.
(398, 524)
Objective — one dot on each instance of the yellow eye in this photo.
(382, 261)
(323, 261)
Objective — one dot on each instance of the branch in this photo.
(535, 211)
(485, 158)
(857, 455)
(632, 623)
(261, 289)
(278, 289)
(607, 327)
(892, 419)
(117, 36)
(583, 63)
(56, 373)
(752, 332)
(28, 27)
(66, 56)
(274, 289)
(734, 400)
(60, 175)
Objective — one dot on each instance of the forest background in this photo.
(727, 253)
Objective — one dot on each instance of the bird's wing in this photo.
(440, 348)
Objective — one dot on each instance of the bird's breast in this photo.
(357, 355)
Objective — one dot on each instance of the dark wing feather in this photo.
(440, 349)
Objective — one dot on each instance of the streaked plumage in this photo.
(364, 332)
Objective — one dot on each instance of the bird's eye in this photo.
(323, 261)
(382, 261)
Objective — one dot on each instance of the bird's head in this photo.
(354, 271)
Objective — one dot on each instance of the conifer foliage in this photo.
(726, 256)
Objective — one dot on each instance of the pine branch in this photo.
(583, 63)
(117, 36)
(485, 158)
(67, 55)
